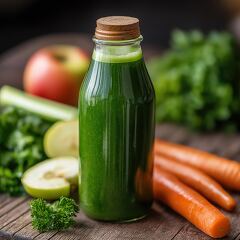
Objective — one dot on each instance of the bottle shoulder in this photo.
(128, 81)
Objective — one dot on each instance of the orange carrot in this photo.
(190, 204)
(198, 180)
(225, 171)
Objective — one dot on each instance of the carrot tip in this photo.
(220, 228)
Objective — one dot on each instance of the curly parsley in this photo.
(53, 216)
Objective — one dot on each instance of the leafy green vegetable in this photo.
(196, 81)
(21, 146)
(56, 216)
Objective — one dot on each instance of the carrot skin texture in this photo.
(197, 180)
(225, 171)
(190, 204)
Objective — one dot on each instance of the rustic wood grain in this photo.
(14, 202)
(15, 226)
(4, 199)
(161, 224)
(27, 233)
(14, 213)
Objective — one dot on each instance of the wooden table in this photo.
(161, 224)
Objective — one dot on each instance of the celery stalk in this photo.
(45, 108)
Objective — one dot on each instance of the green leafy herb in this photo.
(21, 146)
(195, 81)
(56, 216)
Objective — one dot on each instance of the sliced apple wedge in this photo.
(62, 139)
(51, 178)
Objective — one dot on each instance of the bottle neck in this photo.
(117, 51)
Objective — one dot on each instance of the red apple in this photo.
(56, 73)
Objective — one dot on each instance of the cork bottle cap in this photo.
(117, 28)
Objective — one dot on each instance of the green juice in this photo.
(117, 122)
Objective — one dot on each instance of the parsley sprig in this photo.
(53, 216)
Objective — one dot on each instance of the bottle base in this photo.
(132, 219)
(109, 220)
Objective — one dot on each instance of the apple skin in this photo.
(56, 73)
(48, 194)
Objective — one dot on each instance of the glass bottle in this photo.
(116, 124)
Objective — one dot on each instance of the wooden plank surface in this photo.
(161, 224)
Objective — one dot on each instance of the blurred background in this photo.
(22, 20)
(195, 73)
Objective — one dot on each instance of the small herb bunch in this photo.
(21, 145)
(53, 216)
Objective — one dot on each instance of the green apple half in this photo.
(51, 178)
(62, 139)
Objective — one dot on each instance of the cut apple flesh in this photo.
(52, 178)
(62, 139)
